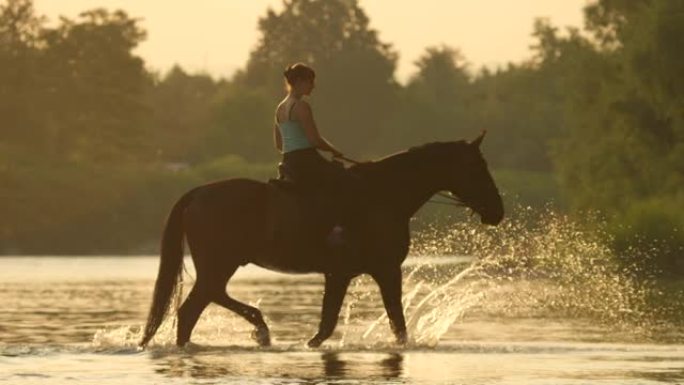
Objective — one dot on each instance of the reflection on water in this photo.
(306, 367)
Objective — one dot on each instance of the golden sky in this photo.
(216, 35)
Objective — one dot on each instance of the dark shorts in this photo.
(308, 168)
(324, 178)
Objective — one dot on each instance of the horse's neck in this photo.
(404, 186)
(414, 198)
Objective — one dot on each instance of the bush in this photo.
(518, 188)
(87, 208)
(652, 230)
(527, 188)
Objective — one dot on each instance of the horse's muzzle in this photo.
(492, 220)
(492, 214)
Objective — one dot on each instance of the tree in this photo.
(181, 106)
(627, 92)
(521, 106)
(19, 25)
(241, 124)
(355, 71)
(432, 106)
(19, 39)
(92, 87)
(623, 151)
(442, 71)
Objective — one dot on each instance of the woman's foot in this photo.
(336, 237)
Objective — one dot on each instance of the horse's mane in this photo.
(398, 160)
(435, 146)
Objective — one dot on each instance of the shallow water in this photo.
(76, 320)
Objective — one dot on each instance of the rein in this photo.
(452, 200)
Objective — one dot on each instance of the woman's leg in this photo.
(334, 189)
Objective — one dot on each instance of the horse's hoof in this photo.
(402, 338)
(191, 347)
(262, 337)
(314, 342)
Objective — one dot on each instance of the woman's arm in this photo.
(304, 115)
(277, 138)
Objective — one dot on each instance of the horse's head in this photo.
(472, 184)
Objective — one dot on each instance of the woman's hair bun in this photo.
(298, 71)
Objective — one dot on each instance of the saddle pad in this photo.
(284, 219)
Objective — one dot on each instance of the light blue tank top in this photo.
(293, 135)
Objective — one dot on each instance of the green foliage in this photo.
(433, 104)
(622, 150)
(19, 34)
(521, 107)
(93, 86)
(19, 26)
(181, 114)
(627, 128)
(73, 91)
(354, 69)
(94, 149)
(242, 124)
(527, 188)
(87, 208)
(652, 229)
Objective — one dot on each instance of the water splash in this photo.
(532, 266)
(535, 266)
(216, 324)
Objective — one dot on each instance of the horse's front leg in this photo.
(335, 290)
(390, 288)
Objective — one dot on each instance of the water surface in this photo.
(76, 320)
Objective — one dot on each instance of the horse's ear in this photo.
(478, 140)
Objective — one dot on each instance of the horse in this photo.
(226, 225)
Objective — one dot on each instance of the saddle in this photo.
(294, 217)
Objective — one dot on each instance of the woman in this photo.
(294, 119)
(297, 138)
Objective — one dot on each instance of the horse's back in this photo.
(222, 191)
(268, 224)
(249, 221)
(227, 217)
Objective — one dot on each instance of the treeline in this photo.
(622, 148)
(76, 92)
(95, 146)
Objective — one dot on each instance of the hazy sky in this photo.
(217, 35)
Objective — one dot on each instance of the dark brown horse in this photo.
(227, 224)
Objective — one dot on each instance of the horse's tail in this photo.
(170, 268)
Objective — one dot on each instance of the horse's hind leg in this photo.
(189, 312)
(253, 315)
(210, 285)
(390, 288)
